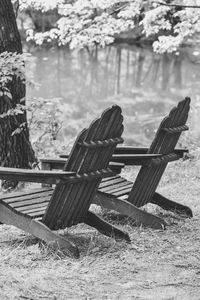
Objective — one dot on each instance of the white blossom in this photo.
(43, 5)
(89, 22)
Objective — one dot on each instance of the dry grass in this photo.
(156, 265)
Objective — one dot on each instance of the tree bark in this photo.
(15, 149)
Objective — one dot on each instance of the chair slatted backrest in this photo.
(89, 158)
(164, 143)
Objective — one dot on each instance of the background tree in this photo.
(15, 147)
(168, 24)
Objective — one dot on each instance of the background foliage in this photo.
(85, 23)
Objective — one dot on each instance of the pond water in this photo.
(146, 85)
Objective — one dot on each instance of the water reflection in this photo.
(145, 84)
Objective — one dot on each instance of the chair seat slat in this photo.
(111, 182)
(38, 197)
(33, 208)
(110, 178)
(120, 193)
(25, 194)
(115, 188)
(37, 214)
(28, 203)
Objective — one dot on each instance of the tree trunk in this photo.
(15, 149)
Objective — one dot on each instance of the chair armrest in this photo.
(121, 150)
(40, 176)
(131, 150)
(126, 155)
(52, 163)
(142, 150)
(146, 159)
(134, 159)
(58, 163)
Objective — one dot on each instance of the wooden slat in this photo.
(29, 197)
(130, 150)
(30, 202)
(110, 178)
(120, 150)
(123, 192)
(124, 197)
(59, 163)
(52, 160)
(114, 181)
(117, 187)
(40, 176)
(165, 158)
(134, 159)
(38, 215)
(33, 208)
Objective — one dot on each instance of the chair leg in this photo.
(10, 216)
(171, 205)
(130, 210)
(105, 228)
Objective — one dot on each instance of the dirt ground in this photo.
(156, 265)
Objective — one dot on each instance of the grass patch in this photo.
(161, 264)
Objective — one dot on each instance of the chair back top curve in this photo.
(164, 143)
(89, 158)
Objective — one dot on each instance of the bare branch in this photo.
(177, 5)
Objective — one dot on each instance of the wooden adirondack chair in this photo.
(126, 197)
(117, 193)
(41, 211)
